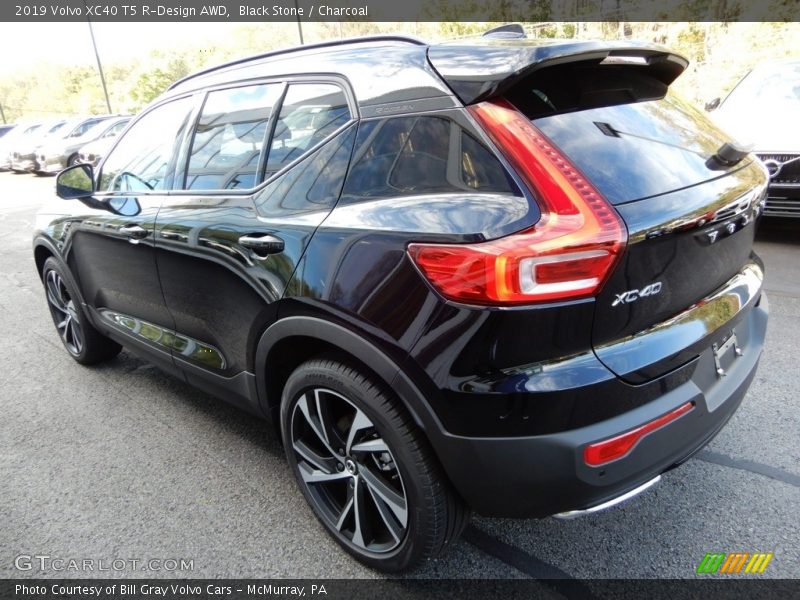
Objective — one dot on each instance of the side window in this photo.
(313, 184)
(310, 112)
(143, 158)
(422, 155)
(115, 130)
(84, 127)
(229, 138)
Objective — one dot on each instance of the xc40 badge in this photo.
(634, 295)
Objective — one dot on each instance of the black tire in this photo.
(436, 516)
(81, 340)
(73, 160)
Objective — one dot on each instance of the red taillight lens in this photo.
(568, 254)
(604, 452)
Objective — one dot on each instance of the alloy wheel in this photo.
(349, 471)
(64, 312)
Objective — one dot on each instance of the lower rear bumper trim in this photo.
(574, 514)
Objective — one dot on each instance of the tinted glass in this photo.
(230, 138)
(313, 184)
(143, 158)
(658, 146)
(421, 155)
(309, 113)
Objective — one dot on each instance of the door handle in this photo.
(262, 243)
(134, 231)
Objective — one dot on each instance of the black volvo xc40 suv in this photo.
(504, 276)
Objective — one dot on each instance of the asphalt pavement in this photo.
(122, 461)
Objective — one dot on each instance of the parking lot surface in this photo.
(122, 461)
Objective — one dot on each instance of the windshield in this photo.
(771, 89)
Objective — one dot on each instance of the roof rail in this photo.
(327, 44)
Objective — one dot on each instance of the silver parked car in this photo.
(21, 136)
(58, 154)
(93, 152)
(25, 156)
(763, 110)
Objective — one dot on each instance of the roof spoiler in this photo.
(512, 31)
(479, 69)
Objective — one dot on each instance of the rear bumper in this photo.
(542, 475)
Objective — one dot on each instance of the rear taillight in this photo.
(568, 254)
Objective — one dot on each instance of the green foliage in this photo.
(720, 53)
(152, 82)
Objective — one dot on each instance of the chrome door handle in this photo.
(262, 243)
(134, 231)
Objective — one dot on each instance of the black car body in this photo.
(530, 252)
(763, 111)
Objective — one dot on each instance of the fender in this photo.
(355, 345)
(41, 241)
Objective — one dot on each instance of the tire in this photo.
(73, 160)
(82, 341)
(388, 453)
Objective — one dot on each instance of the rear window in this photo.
(423, 155)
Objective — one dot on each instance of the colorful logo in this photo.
(735, 562)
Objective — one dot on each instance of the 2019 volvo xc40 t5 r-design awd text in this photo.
(506, 276)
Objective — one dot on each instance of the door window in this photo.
(229, 138)
(310, 113)
(143, 160)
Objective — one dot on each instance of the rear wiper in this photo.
(727, 155)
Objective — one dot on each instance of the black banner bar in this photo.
(390, 589)
(394, 11)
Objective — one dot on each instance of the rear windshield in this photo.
(638, 150)
(617, 120)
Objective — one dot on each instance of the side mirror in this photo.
(712, 104)
(75, 182)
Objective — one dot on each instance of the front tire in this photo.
(365, 468)
(83, 342)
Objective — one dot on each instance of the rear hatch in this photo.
(688, 207)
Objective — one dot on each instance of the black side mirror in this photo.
(712, 104)
(75, 182)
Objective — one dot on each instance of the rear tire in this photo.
(378, 490)
(82, 341)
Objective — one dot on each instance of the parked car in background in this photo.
(25, 157)
(93, 152)
(10, 138)
(23, 151)
(513, 276)
(764, 110)
(20, 136)
(57, 154)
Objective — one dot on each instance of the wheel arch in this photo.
(42, 250)
(294, 339)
